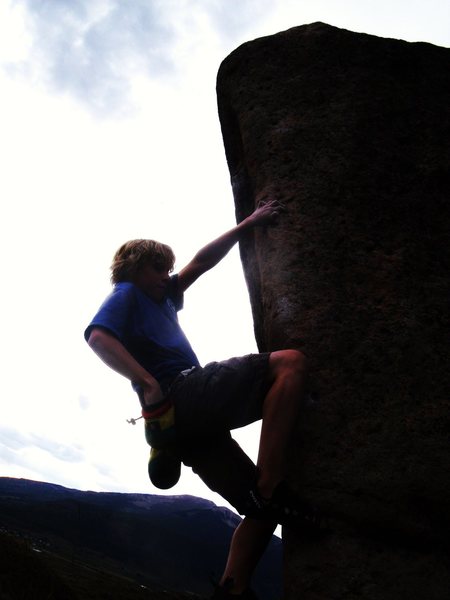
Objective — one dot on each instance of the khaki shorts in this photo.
(211, 401)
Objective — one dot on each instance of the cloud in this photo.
(13, 442)
(92, 50)
(232, 21)
(84, 402)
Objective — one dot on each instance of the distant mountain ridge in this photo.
(176, 543)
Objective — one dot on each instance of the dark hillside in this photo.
(28, 574)
(175, 544)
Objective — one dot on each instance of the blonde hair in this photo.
(132, 255)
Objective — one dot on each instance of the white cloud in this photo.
(93, 49)
(231, 20)
(16, 447)
(84, 402)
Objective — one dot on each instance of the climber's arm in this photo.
(212, 253)
(116, 356)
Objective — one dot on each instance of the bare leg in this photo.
(280, 412)
(287, 372)
(247, 546)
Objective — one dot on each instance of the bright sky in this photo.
(109, 131)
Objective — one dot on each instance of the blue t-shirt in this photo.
(149, 330)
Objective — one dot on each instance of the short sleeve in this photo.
(115, 312)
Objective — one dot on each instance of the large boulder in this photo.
(352, 133)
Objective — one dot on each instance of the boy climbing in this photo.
(189, 410)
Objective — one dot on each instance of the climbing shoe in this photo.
(159, 424)
(286, 508)
(164, 468)
(223, 592)
(295, 513)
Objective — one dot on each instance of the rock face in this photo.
(352, 133)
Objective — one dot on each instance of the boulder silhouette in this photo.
(351, 132)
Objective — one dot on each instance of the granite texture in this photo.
(352, 133)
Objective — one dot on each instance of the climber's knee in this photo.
(286, 362)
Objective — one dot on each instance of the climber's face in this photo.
(152, 281)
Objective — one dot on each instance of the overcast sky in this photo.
(109, 132)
